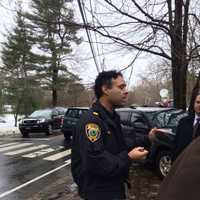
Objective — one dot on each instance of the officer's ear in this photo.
(105, 90)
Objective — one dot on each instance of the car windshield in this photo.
(41, 114)
(168, 118)
(150, 113)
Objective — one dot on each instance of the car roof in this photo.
(80, 108)
(43, 109)
(150, 109)
(51, 108)
(144, 109)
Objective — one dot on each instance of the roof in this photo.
(80, 108)
(153, 108)
(145, 109)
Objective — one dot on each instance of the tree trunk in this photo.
(16, 117)
(179, 83)
(54, 97)
(54, 88)
(54, 76)
(179, 60)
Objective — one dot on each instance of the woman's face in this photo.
(197, 105)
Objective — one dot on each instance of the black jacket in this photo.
(104, 162)
(184, 134)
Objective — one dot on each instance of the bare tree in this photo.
(157, 27)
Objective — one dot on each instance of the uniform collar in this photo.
(97, 106)
(105, 114)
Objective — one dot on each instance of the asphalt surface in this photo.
(29, 171)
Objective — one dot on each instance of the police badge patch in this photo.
(93, 132)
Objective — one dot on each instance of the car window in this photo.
(138, 120)
(55, 113)
(75, 113)
(160, 119)
(169, 118)
(135, 117)
(150, 116)
(81, 112)
(84, 111)
(124, 116)
(72, 113)
(41, 113)
(61, 111)
(175, 118)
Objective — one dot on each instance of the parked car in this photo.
(71, 118)
(137, 122)
(45, 120)
(2, 120)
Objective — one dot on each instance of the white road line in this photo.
(38, 153)
(8, 144)
(41, 152)
(15, 147)
(24, 139)
(58, 155)
(34, 180)
(20, 151)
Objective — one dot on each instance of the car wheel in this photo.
(163, 163)
(49, 129)
(24, 133)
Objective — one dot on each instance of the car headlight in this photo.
(41, 120)
(21, 121)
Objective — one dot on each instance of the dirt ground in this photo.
(144, 185)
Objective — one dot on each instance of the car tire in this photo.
(49, 129)
(24, 134)
(163, 163)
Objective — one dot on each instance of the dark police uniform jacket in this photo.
(184, 134)
(100, 159)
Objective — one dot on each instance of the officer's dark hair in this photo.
(104, 78)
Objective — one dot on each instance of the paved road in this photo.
(34, 167)
(38, 168)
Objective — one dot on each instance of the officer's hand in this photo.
(138, 153)
(152, 134)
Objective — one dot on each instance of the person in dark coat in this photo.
(100, 159)
(188, 127)
(183, 180)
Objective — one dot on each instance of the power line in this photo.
(88, 35)
(92, 43)
(131, 65)
(95, 34)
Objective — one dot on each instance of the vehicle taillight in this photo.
(61, 121)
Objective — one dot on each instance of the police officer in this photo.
(100, 160)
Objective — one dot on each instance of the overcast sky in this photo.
(113, 58)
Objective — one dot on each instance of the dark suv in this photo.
(44, 120)
(71, 118)
(137, 122)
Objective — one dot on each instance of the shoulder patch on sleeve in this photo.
(92, 131)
